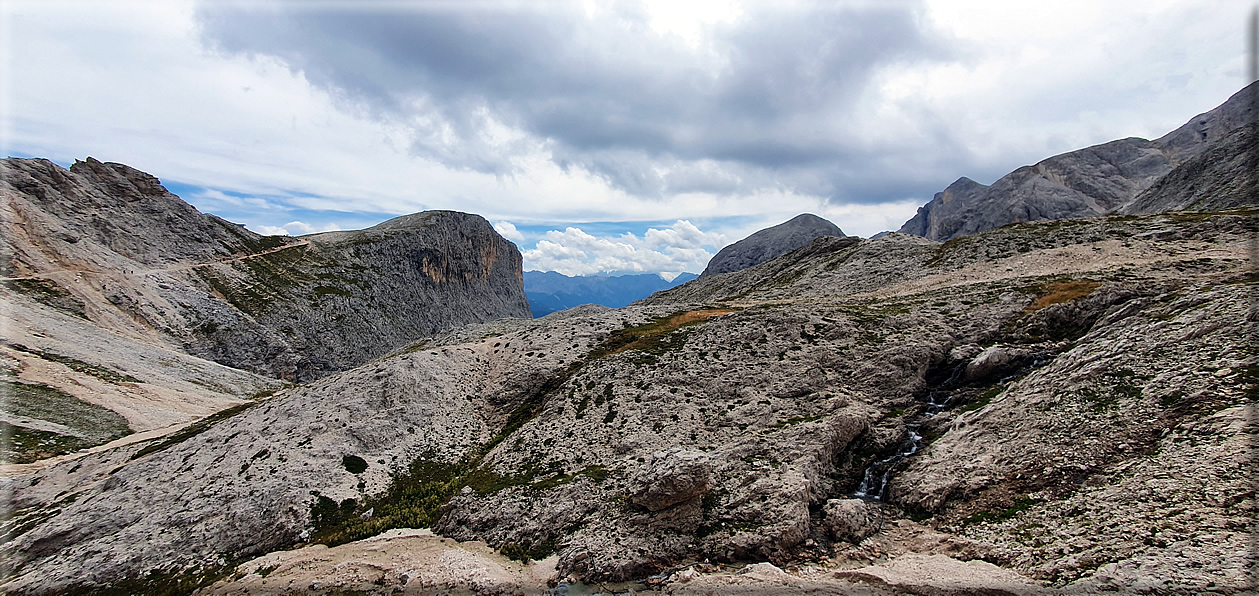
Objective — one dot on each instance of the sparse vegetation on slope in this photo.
(82, 424)
(994, 397)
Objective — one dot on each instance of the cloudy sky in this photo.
(598, 135)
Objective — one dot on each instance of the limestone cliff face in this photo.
(1224, 176)
(108, 243)
(1088, 182)
(341, 298)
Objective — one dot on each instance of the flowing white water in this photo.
(874, 481)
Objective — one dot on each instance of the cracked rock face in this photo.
(671, 477)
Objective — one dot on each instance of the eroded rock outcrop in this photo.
(671, 477)
(850, 520)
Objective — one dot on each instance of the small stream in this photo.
(874, 481)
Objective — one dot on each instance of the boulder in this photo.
(671, 477)
(991, 361)
(851, 520)
(940, 575)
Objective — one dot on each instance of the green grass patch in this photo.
(105, 374)
(982, 400)
(1019, 506)
(48, 293)
(596, 474)
(656, 337)
(413, 500)
(581, 407)
(1116, 384)
(248, 299)
(941, 252)
(94, 423)
(159, 582)
(529, 551)
(785, 279)
(799, 420)
(191, 430)
(354, 464)
(22, 445)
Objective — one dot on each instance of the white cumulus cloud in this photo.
(509, 231)
(294, 228)
(270, 230)
(673, 250)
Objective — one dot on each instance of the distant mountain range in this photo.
(549, 291)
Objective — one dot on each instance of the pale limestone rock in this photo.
(940, 575)
(671, 477)
(851, 520)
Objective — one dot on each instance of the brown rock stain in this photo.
(438, 270)
(1059, 292)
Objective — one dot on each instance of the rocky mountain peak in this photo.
(119, 211)
(1087, 182)
(770, 243)
(145, 263)
(1205, 129)
(123, 180)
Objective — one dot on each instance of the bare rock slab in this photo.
(672, 477)
(405, 560)
(941, 575)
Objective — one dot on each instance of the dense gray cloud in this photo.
(768, 102)
(290, 116)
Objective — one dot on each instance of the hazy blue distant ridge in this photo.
(549, 291)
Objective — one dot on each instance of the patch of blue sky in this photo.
(24, 155)
(535, 231)
(274, 214)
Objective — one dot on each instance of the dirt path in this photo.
(142, 272)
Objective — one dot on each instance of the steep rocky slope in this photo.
(1224, 176)
(69, 385)
(1104, 178)
(338, 299)
(770, 243)
(1075, 391)
(109, 244)
(100, 213)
